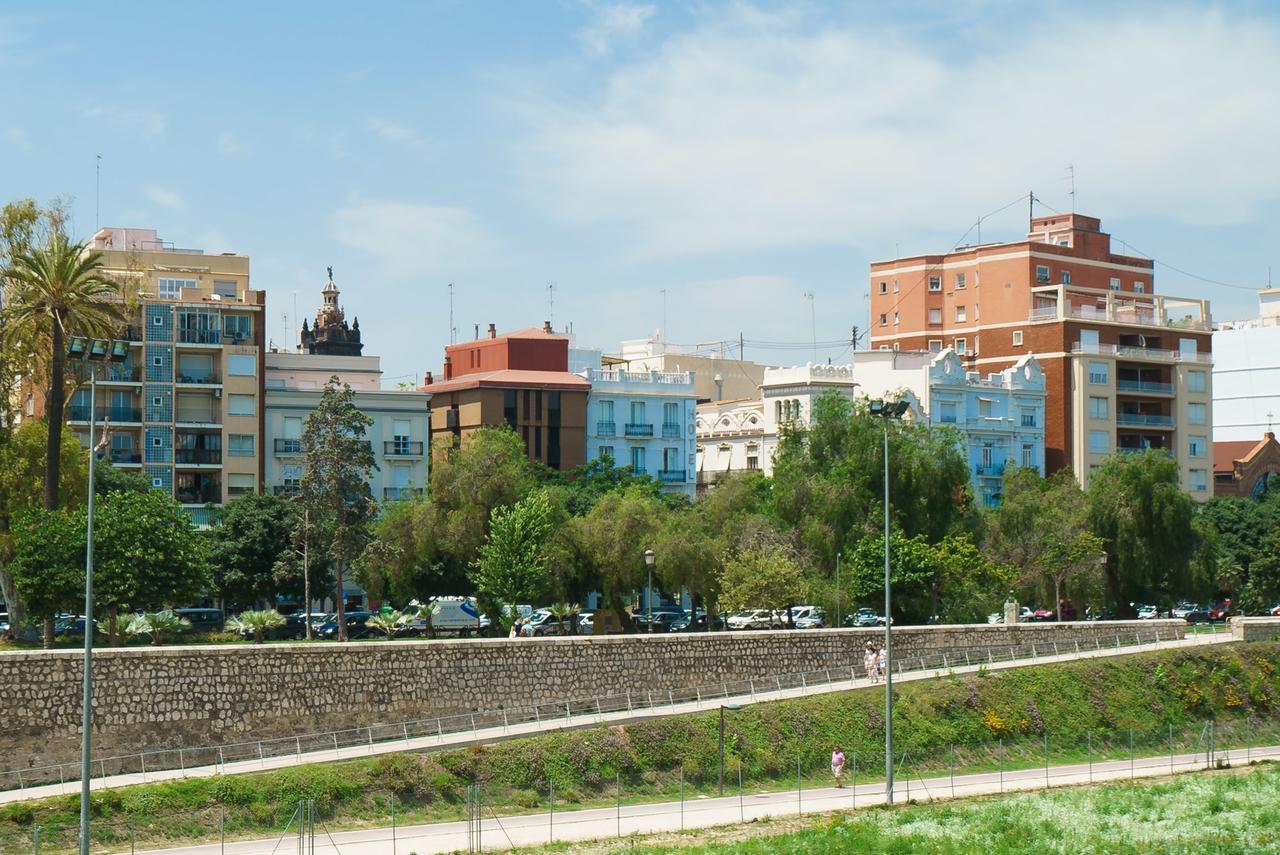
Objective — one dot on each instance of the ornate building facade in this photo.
(331, 336)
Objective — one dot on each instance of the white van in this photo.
(455, 616)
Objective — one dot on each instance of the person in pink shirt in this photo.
(837, 766)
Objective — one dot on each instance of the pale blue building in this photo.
(646, 420)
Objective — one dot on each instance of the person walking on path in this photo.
(869, 661)
(837, 766)
(881, 663)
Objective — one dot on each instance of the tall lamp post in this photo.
(93, 351)
(648, 592)
(731, 708)
(839, 619)
(887, 410)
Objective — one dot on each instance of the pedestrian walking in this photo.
(881, 663)
(869, 661)
(516, 626)
(837, 766)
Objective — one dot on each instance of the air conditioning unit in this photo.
(217, 393)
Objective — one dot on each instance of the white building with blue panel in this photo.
(646, 420)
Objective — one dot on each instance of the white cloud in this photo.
(612, 23)
(229, 145)
(758, 131)
(163, 198)
(147, 124)
(408, 240)
(18, 138)
(395, 133)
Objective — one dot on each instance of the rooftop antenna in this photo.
(453, 331)
(97, 194)
(551, 304)
(664, 313)
(284, 326)
(813, 316)
(1071, 177)
(293, 330)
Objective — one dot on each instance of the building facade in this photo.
(520, 379)
(1246, 469)
(730, 440)
(787, 396)
(717, 375)
(646, 420)
(186, 408)
(1125, 368)
(1246, 373)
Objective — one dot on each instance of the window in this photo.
(1098, 373)
(293, 427)
(947, 413)
(897, 319)
(1115, 283)
(935, 283)
(671, 460)
(637, 459)
(1066, 277)
(240, 445)
(1195, 381)
(1196, 446)
(241, 405)
(895, 286)
(1198, 481)
(401, 432)
(171, 289)
(1099, 408)
(884, 319)
(935, 316)
(1042, 273)
(605, 451)
(1140, 287)
(157, 401)
(225, 287)
(1196, 414)
(1017, 338)
(935, 345)
(241, 365)
(237, 328)
(984, 408)
(155, 442)
(195, 407)
(157, 361)
(960, 283)
(670, 416)
(753, 457)
(1099, 441)
(960, 314)
(637, 412)
(239, 483)
(157, 321)
(1028, 455)
(988, 454)
(897, 345)
(1187, 348)
(400, 474)
(884, 287)
(1028, 419)
(157, 482)
(1089, 341)
(509, 406)
(962, 346)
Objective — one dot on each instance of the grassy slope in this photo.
(1150, 693)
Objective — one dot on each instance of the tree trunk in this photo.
(306, 570)
(47, 626)
(113, 626)
(12, 603)
(1057, 600)
(342, 616)
(53, 411)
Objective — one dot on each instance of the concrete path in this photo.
(458, 739)
(504, 832)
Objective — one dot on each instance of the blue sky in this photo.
(736, 156)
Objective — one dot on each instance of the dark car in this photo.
(72, 627)
(203, 620)
(698, 623)
(640, 618)
(665, 621)
(1197, 614)
(1220, 611)
(357, 626)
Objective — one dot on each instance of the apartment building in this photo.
(1125, 368)
(295, 381)
(1246, 373)
(520, 379)
(717, 375)
(646, 420)
(730, 437)
(185, 408)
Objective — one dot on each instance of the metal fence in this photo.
(528, 719)
(565, 806)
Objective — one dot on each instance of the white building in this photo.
(718, 376)
(787, 395)
(730, 439)
(1246, 373)
(645, 420)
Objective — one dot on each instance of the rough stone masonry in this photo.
(182, 697)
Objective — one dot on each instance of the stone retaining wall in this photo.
(169, 697)
(1255, 628)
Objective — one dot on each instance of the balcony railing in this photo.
(1144, 353)
(288, 446)
(200, 336)
(991, 470)
(672, 476)
(395, 494)
(133, 332)
(1144, 387)
(670, 430)
(202, 418)
(1168, 452)
(285, 490)
(118, 415)
(197, 456)
(125, 456)
(201, 378)
(606, 428)
(115, 374)
(401, 448)
(639, 430)
(1142, 420)
(201, 495)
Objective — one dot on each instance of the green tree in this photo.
(157, 626)
(335, 486)
(48, 564)
(252, 537)
(615, 535)
(915, 575)
(766, 574)
(109, 479)
(147, 554)
(57, 290)
(257, 623)
(511, 567)
(1137, 507)
(388, 623)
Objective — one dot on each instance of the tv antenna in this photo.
(453, 331)
(813, 316)
(1071, 179)
(551, 304)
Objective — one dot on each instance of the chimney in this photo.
(429, 379)
(493, 331)
(546, 326)
(477, 332)
(448, 367)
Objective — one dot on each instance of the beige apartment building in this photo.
(186, 407)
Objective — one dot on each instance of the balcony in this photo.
(285, 490)
(671, 430)
(395, 494)
(1141, 353)
(992, 470)
(197, 456)
(288, 447)
(639, 430)
(672, 476)
(201, 419)
(1144, 387)
(606, 428)
(126, 457)
(200, 494)
(199, 336)
(1141, 420)
(1168, 452)
(401, 448)
(132, 333)
(117, 415)
(198, 378)
(116, 374)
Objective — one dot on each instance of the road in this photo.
(503, 832)
(488, 735)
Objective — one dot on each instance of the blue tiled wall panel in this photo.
(162, 412)
(162, 331)
(164, 473)
(164, 371)
(162, 453)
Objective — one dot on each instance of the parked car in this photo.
(1196, 614)
(799, 613)
(1220, 611)
(814, 618)
(995, 617)
(454, 616)
(665, 621)
(640, 616)
(1182, 609)
(867, 617)
(357, 625)
(698, 623)
(203, 620)
(73, 626)
(541, 623)
(1148, 613)
(755, 619)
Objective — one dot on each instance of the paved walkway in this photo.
(458, 739)
(500, 833)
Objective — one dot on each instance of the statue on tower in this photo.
(331, 336)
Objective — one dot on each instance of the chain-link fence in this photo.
(737, 784)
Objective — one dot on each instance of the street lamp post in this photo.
(93, 351)
(648, 592)
(888, 410)
(723, 707)
(839, 619)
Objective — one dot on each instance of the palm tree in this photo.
(159, 625)
(257, 623)
(57, 291)
(565, 612)
(388, 623)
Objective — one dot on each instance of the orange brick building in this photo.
(1125, 368)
